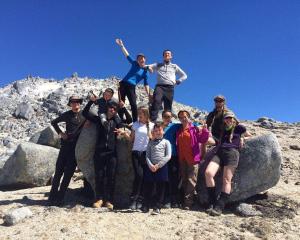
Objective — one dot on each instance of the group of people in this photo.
(165, 155)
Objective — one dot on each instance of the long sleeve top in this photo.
(158, 152)
(167, 73)
(107, 137)
(72, 119)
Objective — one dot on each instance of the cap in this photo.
(140, 55)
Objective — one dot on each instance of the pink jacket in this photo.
(197, 137)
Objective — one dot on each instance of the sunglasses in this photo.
(167, 116)
(219, 100)
(75, 101)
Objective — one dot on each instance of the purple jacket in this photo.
(197, 137)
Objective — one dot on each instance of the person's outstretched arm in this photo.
(124, 50)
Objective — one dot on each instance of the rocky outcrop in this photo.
(31, 165)
(258, 170)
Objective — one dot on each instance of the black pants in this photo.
(172, 192)
(160, 188)
(65, 166)
(128, 90)
(138, 163)
(162, 94)
(105, 163)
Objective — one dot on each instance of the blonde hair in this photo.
(145, 111)
(235, 123)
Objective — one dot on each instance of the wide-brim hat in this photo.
(231, 114)
(219, 97)
(75, 98)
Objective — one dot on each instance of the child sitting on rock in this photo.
(156, 172)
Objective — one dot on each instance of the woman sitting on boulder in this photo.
(227, 156)
(140, 135)
(188, 139)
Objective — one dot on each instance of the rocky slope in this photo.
(43, 99)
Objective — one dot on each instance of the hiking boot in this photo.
(109, 205)
(156, 211)
(174, 205)
(217, 211)
(98, 204)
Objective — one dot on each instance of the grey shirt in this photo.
(167, 72)
(158, 152)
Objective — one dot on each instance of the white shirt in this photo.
(141, 138)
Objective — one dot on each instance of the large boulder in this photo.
(84, 153)
(31, 165)
(49, 137)
(24, 110)
(258, 169)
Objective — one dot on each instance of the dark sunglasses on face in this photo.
(167, 116)
(219, 100)
(75, 101)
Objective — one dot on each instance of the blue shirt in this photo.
(136, 73)
(170, 134)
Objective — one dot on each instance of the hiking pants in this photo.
(105, 164)
(162, 94)
(160, 187)
(65, 166)
(172, 192)
(189, 174)
(138, 163)
(128, 90)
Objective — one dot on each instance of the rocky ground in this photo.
(279, 208)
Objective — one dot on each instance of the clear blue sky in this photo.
(247, 50)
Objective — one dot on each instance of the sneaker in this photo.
(133, 205)
(156, 211)
(167, 205)
(98, 204)
(145, 209)
(139, 205)
(109, 205)
(174, 205)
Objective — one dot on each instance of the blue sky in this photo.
(248, 51)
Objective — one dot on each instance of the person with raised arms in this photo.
(167, 73)
(137, 72)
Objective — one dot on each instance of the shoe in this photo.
(145, 209)
(98, 204)
(156, 211)
(109, 205)
(174, 205)
(133, 205)
(138, 205)
(217, 211)
(167, 205)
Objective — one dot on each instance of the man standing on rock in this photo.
(166, 81)
(105, 159)
(215, 117)
(66, 162)
(137, 73)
